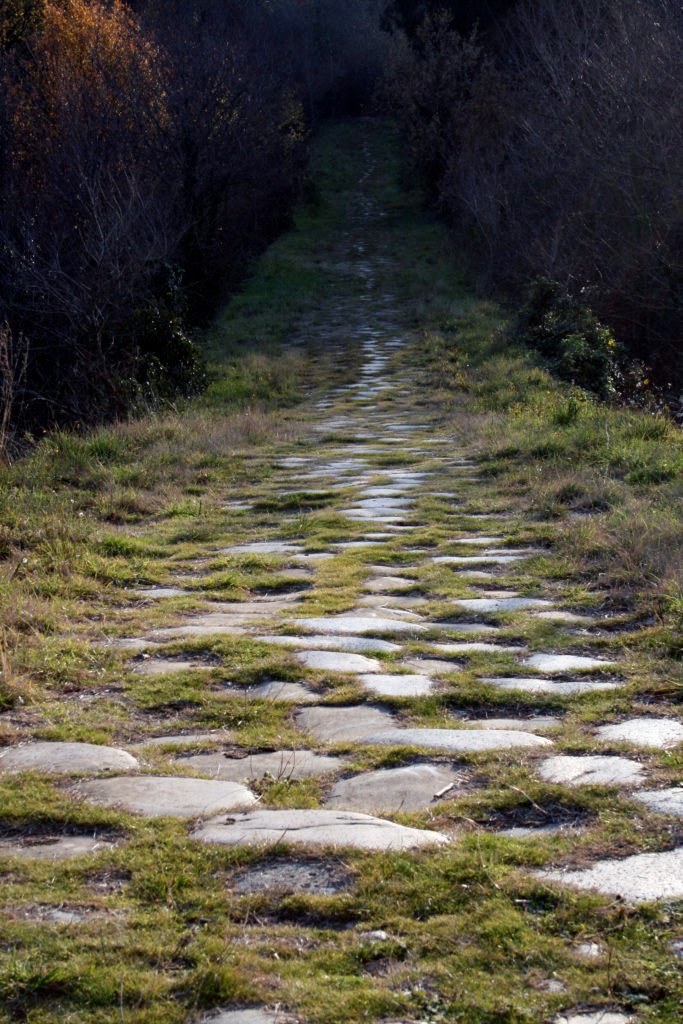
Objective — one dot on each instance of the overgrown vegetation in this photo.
(147, 153)
(550, 140)
(90, 520)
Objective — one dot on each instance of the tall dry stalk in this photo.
(13, 363)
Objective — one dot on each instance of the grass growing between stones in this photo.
(160, 930)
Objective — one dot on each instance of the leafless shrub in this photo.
(13, 362)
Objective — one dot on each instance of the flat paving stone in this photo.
(339, 725)
(53, 848)
(356, 644)
(393, 685)
(593, 1017)
(471, 629)
(65, 759)
(459, 741)
(552, 663)
(356, 624)
(265, 547)
(433, 666)
(482, 559)
(288, 875)
(337, 661)
(315, 828)
(279, 690)
(663, 801)
(251, 1015)
(565, 617)
(156, 593)
(641, 878)
(474, 647)
(501, 604)
(658, 733)
(280, 764)
(160, 796)
(535, 685)
(389, 791)
(600, 770)
(163, 666)
(387, 584)
(540, 723)
(190, 739)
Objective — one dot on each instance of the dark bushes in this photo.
(147, 153)
(553, 145)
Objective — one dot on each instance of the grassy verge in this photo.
(465, 933)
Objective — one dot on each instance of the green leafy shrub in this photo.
(569, 337)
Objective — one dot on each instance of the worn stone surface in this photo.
(475, 647)
(539, 723)
(162, 666)
(551, 663)
(593, 1017)
(280, 764)
(660, 733)
(355, 644)
(289, 875)
(358, 624)
(501, 604)
(337, 661)
(568, 770)
(337, 725)
(534, 685)
(314, 828)
(386, 684)
(664, 801)
(388, 791)
(159, 796)
(65, 759)
(641, 878)
(185, 739)
(460, 741)
(278, 690)
(53, 848)
(248, 1015)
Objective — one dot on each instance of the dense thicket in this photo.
(146, 153)
(553, 144)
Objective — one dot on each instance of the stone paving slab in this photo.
(355, 644)
(164, 666)
(53, 848)
(459, 741)
(160, 796)
(664, 801)
(280, 764)
(474, 647)
(358, 624)
(250, 1015)
(292, 875)
(550, 664)
(641, 878)
(337, 725)
(337, 661)
(593, 1017)
(658, 733)
(185, 739)
(501, 604)
(278, 690)
(600, 770)
(65, 758)
(314, 828)
(388, 685)
(534, 685)
(388, 791)
(540, 723)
